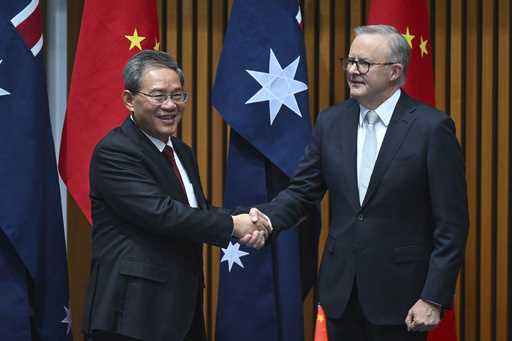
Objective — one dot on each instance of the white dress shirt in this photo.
(384, 111)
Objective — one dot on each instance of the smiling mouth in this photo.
(356, 82)
(167, 118)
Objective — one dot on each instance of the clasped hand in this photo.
(252, 229)
(423, 316)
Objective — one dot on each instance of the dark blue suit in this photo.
(406, 241)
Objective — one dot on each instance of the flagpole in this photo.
(57, 79)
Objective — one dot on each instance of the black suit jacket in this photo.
(146, 271)
(407, 239)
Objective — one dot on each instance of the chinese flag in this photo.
(411, 18)
(321, 325)
(111, 32)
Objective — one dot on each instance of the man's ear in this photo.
(396, 71)
(128, 99)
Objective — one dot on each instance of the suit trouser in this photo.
(195, 333)
(353, 326)
(105, 336)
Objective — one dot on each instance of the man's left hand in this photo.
(423, 316)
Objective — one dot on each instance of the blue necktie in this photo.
(369, 153)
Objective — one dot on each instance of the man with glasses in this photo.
(398, 202)
(150, 217)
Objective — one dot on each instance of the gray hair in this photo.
(136, 65)
(398, 46)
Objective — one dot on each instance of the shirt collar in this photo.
(158, 144)
(384, 111)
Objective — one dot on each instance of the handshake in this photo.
(252, 229)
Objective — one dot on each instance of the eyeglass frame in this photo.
(353, 61)
(153, 98)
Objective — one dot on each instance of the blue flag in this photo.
(33, 270)
(261, 92)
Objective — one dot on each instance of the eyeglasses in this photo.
(178, 97)
(362, 66)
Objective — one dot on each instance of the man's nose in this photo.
(168, 103)
(352, 68)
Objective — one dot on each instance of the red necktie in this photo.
(169, 155)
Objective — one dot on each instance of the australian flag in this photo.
(33, 270)
(261, 92)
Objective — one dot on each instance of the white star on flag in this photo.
(2, 91)
(232, 255)
(278, 86)
(67, 319)
(298, 17)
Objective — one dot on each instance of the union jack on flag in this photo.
(33, 269)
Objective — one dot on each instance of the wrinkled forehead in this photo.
(370, 46)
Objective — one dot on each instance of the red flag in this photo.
(321, 325)
(111, 32)
(411, 18)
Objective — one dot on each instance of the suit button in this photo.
(360, 217)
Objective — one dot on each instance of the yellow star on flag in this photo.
(423, 46)
(156, 47)
(320, 317)
(408, 36)
(135, 40)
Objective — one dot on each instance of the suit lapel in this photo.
(156, 158)
(397, 130)
(147, 147)
(347, 126)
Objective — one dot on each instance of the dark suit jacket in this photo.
(146, 271)
(407, 240)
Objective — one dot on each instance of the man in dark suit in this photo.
(150, 217)
(398, 203)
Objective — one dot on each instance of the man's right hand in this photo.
(252, 230)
